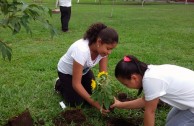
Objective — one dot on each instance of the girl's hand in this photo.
(116, 103)
(103, 111)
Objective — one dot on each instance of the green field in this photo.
(158, 33)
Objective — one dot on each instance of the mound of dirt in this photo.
(23, 119)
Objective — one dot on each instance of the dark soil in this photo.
(75, 116)
(23, 119)
(67, 117)
(132, 121)
(124, 122)
(123, 97)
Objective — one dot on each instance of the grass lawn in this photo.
(157, 33)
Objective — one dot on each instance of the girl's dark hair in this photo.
(126, 67)
(99, 30)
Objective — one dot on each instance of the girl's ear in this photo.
(99, 41)
(134, 76)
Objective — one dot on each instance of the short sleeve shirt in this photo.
(80, 52)
(65, 3)
(172, 84)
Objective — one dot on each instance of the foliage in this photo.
(5, 50)
(18, 14)
(102, 90)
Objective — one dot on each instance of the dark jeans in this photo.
(65, 17)
(68, 93)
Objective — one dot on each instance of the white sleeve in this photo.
(154, 88)
(80, 56)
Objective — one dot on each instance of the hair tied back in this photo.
(126, 59)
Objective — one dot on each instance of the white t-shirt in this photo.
(80, 52)
(172, 84)
(65, 3)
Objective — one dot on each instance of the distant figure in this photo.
(65, 8)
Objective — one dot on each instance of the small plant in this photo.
(102, 90)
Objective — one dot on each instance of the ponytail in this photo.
(99, 30)
(128, 66)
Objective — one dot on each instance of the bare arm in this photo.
(134, 104)
(103, 64)
(149, 114)
(57, 3)
(76, 83)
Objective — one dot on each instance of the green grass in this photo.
(155, 33)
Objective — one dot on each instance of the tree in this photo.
(19, 14)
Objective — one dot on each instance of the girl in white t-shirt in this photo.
(74, 67)
(172, 84)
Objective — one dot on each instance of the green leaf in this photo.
(107, 101)
(24, 22)
(17, 27)
(24, 6)
(106, 105)
(5, 50)
(100, 99)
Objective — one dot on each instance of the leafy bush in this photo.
(18, 14)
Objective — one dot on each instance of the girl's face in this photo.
(105, 49)
(135, 82)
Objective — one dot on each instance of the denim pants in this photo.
(177, 117)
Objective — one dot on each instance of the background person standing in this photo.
(65, 8)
